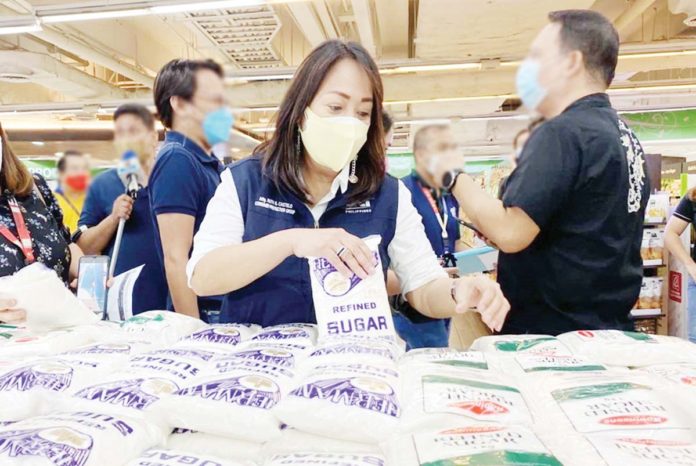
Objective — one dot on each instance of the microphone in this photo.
(130, 173)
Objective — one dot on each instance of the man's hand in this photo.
(445, 162)
(122, 208)
(9, 313)
(483, 295)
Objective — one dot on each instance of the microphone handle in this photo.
(117, 246)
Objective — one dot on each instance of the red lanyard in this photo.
(24, 240)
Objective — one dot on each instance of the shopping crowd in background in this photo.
(229, 244)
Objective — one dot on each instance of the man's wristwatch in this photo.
(449, 179)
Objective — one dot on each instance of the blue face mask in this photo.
(217, 125)
(528, 87)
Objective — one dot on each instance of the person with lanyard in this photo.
(31, 228)
(73, 181)
(191, 103)
(570, 224)
(439, 211)
(106, 204)
(314, 190)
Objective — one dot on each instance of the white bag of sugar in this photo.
(543, 345)
(659, 447)
(629, 349)
(352, 351)
(597, 402)
(295, 334)
(281, 355)
(176, 364)
(221, 337)
(163, 457)
(20, 343)
(349, 306)
(26, 386)
(436, 397)
(488, 444)
(75, 439)
(162, 327)
(354, 402)
(237, 403)
(295, 441)
(444, 357)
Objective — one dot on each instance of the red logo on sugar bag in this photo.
(472, 430)
(688, 380)
(635, 420)
(586, 334)
(654, 442)
(481, 408)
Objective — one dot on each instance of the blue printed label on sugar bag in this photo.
(353, 349)
(171, 458)
(133, 393)
(104, 348)
(253, 391)
(171, 366)
(351, 307)
(365, 392)
(53, 376)
(287, 333)
(60, 446)
(332, 282)
(326, 459)
(223, 366)
(222, 335)
(279, 357)
(185, 353)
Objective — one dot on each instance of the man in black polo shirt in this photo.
(570, 223)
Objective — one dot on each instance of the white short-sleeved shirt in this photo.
(410, 253)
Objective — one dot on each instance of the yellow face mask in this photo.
(333, 142)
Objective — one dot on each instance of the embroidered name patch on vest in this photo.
(276, 206)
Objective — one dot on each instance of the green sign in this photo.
(47, 168)
(401, 164)
(653, 126)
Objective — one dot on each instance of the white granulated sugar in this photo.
(630, 349)
(350, 306)
(25, 386)
(75, 439)
(489, 444)
(435, 397)
(597, 402)
(237, 403)
(162, 457)
(512, 345)
(162, 327)
(214, 445)
(668, 447)
(325, 459)
(354, 402)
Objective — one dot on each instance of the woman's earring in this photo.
(353, 178)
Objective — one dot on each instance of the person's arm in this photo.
(393, 284)
(534, 192)
(75, 256)
(426, 285)
(675, 228)
(94, 239)
(176, 235)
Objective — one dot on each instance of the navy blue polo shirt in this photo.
(183, 181)
(138, 243)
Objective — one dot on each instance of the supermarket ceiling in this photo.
(65, 65)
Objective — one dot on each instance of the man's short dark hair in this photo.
(178, 78)
(592, 34)
(420, 139)
(138, 111)
(63, 160)
(387, 122)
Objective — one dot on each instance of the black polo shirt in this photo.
(582, 180)
(686, 211)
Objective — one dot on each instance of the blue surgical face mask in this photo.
(217, 125)
(528, 87)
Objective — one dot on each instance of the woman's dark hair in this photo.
(14, 175)
(138, 111)
(387, 122)
(281, 159)
(178, 78)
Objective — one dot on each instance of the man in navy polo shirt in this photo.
(191, 103)
(106, 203)
(439, 211)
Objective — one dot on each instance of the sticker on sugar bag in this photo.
(351, 306)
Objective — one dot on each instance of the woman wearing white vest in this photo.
(313, 190)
